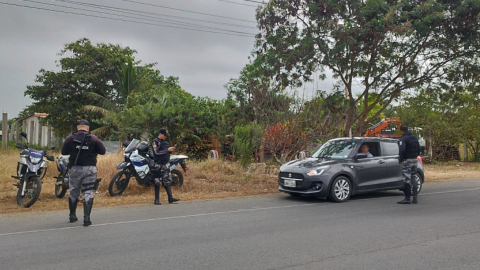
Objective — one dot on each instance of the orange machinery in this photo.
(388, 128)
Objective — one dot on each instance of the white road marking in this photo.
(163, 218)
(211, 214)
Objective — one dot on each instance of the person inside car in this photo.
(365, 150)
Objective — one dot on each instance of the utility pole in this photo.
(4, 130)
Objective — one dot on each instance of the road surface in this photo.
(261, 232)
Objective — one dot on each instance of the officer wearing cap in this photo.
(161, 153)
(409, 149)
(83, 149)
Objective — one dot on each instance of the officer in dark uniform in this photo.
(83, 149)
(161, 153)
(409, 149)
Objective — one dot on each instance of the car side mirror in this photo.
(360, 156)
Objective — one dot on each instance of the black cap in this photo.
(83, 122)
(404, 128)
(164, 131)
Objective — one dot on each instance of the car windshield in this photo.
(336, 149)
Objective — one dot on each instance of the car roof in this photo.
(366, 139)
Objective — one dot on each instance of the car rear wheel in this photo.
(417, 178)
(341, 189)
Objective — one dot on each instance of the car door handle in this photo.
(381, 162)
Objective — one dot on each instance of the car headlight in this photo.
(318, 171)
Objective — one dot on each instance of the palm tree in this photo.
(130, 80)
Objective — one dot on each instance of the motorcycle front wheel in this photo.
(32, 192)
(177, 178)
(60, 190)
(118, 184)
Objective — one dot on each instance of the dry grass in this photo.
(451, 170)
(203, 181)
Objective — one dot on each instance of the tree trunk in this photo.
(349, 121)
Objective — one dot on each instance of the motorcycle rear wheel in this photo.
(32, 192)
(118, 184)
(177, 178)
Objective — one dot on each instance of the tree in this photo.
(84, 68)
(256, 96)
(289, 122)
(446, 116)
(387, 46)
(189, 119)
(131, 79)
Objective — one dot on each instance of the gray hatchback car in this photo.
(338, 170)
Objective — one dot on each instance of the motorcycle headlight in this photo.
(318, 171)
(35, 160)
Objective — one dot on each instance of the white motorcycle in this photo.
(31, 169)
(139, 164)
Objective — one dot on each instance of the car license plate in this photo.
(289, 183)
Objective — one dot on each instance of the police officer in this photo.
(161, 153)
(409, 149)
(83, 149)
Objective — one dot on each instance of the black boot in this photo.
(87, 209)
(407, 190)
(157, 195)
(415, 193)
(171, 199)
(73, 209)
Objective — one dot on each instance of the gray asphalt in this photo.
(263, 232)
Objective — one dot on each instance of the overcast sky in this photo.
(31, 36)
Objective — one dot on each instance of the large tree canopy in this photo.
(84, 68)
(371, 46)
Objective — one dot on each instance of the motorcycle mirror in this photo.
(23, 134)
(52, 148)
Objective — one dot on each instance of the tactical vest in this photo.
(87, 156)
(412, 147)
(158, 145)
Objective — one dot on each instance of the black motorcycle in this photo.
(139, 164)
(31, 169)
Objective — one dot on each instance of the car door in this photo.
(394, 177)
(370, 172)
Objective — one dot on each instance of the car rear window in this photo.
(390, 149)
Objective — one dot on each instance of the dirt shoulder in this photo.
(451, 170)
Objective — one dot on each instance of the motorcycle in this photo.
(61, 185)
(31, 169)
(139, 163)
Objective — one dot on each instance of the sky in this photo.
(33, 32)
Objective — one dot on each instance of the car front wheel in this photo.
(341, 189)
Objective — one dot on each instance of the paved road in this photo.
(267, 232)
